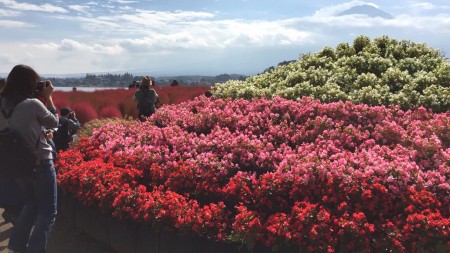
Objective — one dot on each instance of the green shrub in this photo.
(87, 129)
(383, 71)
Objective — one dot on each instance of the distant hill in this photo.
(367, 10)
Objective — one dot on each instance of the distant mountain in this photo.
(367, 10)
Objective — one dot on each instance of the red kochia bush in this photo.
(85, 112)
(122, 99)
(296, 175)
(109, 111)
(61, 99)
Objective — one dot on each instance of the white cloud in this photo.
(11, 4)
(190, 30)
(95, 25)
(427, 6)
(8, 13)
(126, 8)
(424, 6)
(68, 56)
(79, 8)
(73, 47)
(6, 60)
(107, 49)
(154, 18)
(70, 46)
(418, 8)
(125, 1)
(14, 24)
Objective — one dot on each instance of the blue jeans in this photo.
(39, 211)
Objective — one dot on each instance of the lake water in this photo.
(88, 89)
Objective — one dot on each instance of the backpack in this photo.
(62, 137)
(146, 106)
(16, 159)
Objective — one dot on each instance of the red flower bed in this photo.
(118, 102)
(288, 175)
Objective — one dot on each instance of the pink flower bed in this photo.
(279, 173)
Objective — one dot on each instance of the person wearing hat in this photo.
(146, 98)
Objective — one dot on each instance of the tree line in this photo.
(124, 80)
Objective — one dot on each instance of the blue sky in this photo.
(205, 37)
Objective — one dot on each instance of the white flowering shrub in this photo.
(382, 71)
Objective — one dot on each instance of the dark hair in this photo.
(144, 87)
(65, 111)
(2, 83)
(21, 81)
(208, 94)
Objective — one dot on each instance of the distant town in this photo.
(127, 79)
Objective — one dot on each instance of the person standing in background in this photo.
(30, 119)
(146, 98)
(71, 117)
(67, 129)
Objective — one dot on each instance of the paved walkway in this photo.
(63, 239)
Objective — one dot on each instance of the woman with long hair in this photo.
(30, 118)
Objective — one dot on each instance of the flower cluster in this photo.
(285, 174)
(379, 72)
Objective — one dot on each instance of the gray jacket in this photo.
(30, 118)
